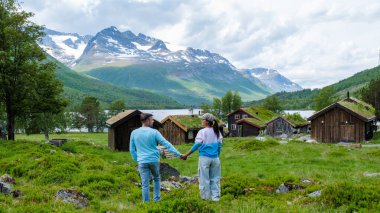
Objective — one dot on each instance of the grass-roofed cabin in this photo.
(286, 126)
(349, 120)
(121, 126)
(258, 113)
(250, 127)
(179, 129)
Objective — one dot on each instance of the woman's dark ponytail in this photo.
(215, 127)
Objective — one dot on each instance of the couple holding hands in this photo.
(143, 148)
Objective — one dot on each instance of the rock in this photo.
(17, 193)
(306, 181)
(72, 196)
(246, 190)
(311, 141)
(57, 142)
(5, 188)
(367, 174)
(304, 138)
(283, 142)
(167, 171)
(7, 179)
(292, 186)
(171, 184)
(315, 194)
(283, 135)
(282, 189)
(53, 151)
(188, 180)
(261, 138)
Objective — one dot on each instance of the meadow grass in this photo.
(107, 177)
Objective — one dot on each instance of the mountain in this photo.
(304, 99)
(190, 76)
(77, 86)
(65, 47)
(273, 79)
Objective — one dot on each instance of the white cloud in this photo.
(314, 43)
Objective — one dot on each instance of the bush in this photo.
(253, 144)
(356, 198)
(235, 186)
(182, 206)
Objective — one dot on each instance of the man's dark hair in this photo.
(145, 116)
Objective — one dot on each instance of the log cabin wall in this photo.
(123, 133)
(337, 125)
(173, 133)
(278, 127)
(249, 130)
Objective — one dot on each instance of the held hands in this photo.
(183, 157)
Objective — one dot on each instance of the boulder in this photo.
(167, 171)
(306, 181)
(72, 196)
(367, 174)
(5, 188)
(7, 179)
(315, 194)
(282, 189)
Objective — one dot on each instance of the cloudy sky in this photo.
(314, 43)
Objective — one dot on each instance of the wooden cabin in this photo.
(249, 127)
(179, 129)
(283, 126)
(121, 126)
(349, 120)
(258, 113)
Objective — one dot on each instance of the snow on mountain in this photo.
(66, 47)
(273, 79)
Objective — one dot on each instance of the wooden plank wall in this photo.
(278, 127)
(335, 129)
(249, 130)
(173, 133)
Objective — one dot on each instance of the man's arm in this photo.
(132, 147)
(161, 140)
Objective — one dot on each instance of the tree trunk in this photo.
(10, 121)
(46, 131)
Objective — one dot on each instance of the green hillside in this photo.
(304, 99)
(189, 84)
(77, 86)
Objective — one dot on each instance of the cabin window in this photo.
(233, 126)
(245, 116)
(237, 116)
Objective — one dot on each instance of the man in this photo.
(143, 148)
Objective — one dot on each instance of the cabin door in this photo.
(347, 133)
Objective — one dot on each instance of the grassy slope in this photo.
(77, 86)
(337, 170)
(189, 85)
(304, 99)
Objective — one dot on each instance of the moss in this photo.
(260, 113)
(296, 119)
(259, 123)
(358, 107)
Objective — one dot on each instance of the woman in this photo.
(209, 143)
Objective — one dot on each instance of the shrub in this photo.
(235, 185)
(182, 206)
(357, 198)
(253, 144)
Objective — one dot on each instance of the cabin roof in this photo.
(126, 115)
(253, 122)
(257, 112)
(120, 117)
(187, 122)
(359, 109)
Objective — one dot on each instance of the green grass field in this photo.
(107, 177)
